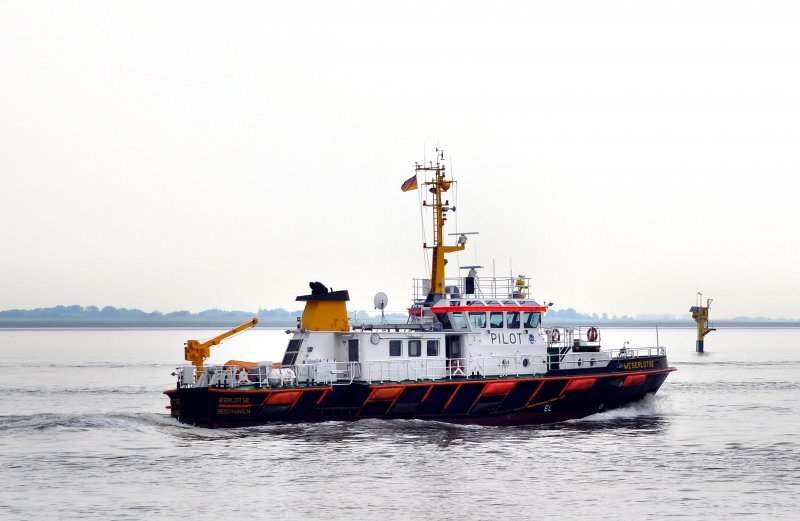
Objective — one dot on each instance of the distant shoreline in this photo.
(109, 317)
(281, 323)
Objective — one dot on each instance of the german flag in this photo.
(410, 184)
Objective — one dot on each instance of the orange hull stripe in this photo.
(634, 380)
(495, 388)
(534, 394)
(384, 394)
(324, 394)
(283, 398)
(468, 382)
(580, 384)
(426, 394)
(458, 388)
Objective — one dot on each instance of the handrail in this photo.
(485, 287)
(584, 361)
(635, 352)
(406, 369)
(577, 336)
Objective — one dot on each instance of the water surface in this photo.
(84, 435)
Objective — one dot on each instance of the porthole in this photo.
(525, 362)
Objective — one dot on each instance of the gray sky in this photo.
(189, 155)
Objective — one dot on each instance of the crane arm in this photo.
(196, 352)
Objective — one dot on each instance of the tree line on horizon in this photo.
(94, 313)
(110, 312)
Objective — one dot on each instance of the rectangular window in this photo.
(433, 348)
(531, 319)
(445, 320)
(414, 347)
(459, 320)
(512, 320)
(478, 320)
(395, 348)
(496, 319)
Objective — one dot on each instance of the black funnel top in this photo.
(341, 295)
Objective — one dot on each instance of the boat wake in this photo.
(649, 406)
(38, 390)
(17, 424)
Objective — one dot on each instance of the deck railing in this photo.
(580, 337)
(634, 352)
(343, 373)
(484, 287)
(381, 371)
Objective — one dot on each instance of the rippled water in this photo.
(84, 434)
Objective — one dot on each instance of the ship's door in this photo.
(455, 358)
(352, 356)
(352, 350)
(452, 346)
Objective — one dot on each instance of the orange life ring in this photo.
(555, 336)
(591, 335)
(242, 376)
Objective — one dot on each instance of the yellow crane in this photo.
(196, 352)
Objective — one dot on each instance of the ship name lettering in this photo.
(503, 338)
(233, 411)
(646, 364)
(237, 399)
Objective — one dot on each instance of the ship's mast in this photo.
(437, 187)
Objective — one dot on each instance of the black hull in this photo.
(501, 401)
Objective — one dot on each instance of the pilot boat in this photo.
(473, 350)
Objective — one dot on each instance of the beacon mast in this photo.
(700, 315)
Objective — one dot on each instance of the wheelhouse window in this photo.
(478, 320)
(414, 347)
(445, 320)
(512, 320)
(395, 348)
(531, 319)
(459, 320)
(496, 319)
(433, 348)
